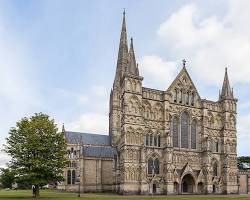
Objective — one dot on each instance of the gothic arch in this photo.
(129, 85)
(184, 130)
(188, 182)
(175, 131)
(147, 109)
(134, 105)
(232, 121)
(158, 111)
(211, 120)
(194, 133)
(215, 167)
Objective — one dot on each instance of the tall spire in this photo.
(132, 66)
(122, 60)
(226, 92)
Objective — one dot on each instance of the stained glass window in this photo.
(184, 130)
(193, 134)
(175, 132)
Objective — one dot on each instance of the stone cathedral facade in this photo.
(164, 142)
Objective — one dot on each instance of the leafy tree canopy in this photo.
(37, 151)
(7, 177)
(243, 160)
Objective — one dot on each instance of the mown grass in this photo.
(54, 195)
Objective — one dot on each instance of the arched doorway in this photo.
(200, 188)
(187, 184)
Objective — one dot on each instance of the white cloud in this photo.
(83, 99)
(158, 71)
(4, 159)
(99, 91)
(89, 122)
(210, 43)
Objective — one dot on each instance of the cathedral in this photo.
(160, 142)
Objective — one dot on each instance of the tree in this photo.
(243, 160)
(7, 177)
(37, 151)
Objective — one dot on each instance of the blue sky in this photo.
(59, 56)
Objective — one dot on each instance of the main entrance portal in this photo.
(187, 184)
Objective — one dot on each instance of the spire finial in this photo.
(124, 12)
(184, 62)
(63, 128)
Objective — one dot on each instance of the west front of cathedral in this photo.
(161, 142)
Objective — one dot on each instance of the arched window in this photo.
(215, 169)
(73, 177)
(69, 177)
(175, 95)
(184, 130)
(175, 136)
(216, 146)
(151, 140)
(193, 134)
(192, 99)
(68, 153)
(155, 140)
(147, 140)
(187, 98)
(150, 165)
(72, 153)
(180, 96)
(156, 166)
(159, 140)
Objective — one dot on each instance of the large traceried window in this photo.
(175, 132)
(184, 130)
(193, 134)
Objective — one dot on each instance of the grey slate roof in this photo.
(87, 138)
(99, 152)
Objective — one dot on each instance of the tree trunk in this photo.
(35, 191)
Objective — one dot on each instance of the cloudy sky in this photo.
(59, 57)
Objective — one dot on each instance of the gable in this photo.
(183, 83)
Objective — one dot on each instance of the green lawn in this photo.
(51, 195)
